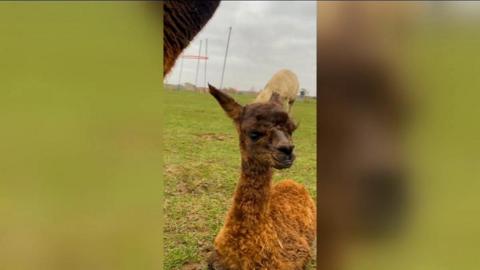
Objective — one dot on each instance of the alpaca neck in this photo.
(252, 195)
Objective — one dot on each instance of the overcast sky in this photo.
(266, 37)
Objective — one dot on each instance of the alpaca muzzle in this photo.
(283, 160)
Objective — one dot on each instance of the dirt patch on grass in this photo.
(187, 180)
(193, 266)
(214, 136)
(205, 250)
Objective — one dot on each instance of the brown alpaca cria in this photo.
(182, 20)
(269, 226)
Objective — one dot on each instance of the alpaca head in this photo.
(265, 130)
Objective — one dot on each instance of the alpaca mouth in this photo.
(283, 162)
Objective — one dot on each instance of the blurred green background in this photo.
(80, 135)
(442, 58)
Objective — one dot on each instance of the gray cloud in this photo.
(266, 36)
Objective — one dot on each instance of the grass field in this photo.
(202, 162)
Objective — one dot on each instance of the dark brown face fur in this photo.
(265, 130)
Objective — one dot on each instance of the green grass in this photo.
(202, 168)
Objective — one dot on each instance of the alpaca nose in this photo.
(286, 149)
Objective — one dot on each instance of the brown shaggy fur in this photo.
(268, 226)
(183, 19)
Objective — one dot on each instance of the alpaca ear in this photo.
(229, 105)
(275, 97)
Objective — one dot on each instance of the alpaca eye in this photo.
(255, 135)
